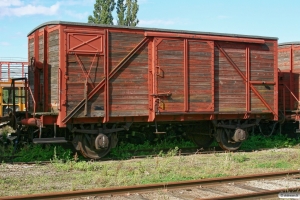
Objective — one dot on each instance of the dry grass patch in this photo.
(72, 175)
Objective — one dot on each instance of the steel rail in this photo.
(153, 187)
(255, 195)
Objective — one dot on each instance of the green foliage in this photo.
(102, 13)
(130, 9)
(4, 133)
(126, 150)
(255, 142)
(126, 12)
(240, 158)
(33, 153)
(279, 164)
(6, 145)
(121, 8)
(70, 165)
(6, 150)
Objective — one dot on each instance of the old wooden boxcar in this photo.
(289, 94)
(90, 81)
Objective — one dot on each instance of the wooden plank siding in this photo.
(229, 85)
(30, 72)
(289, 72)
(40, 104)
(53, 69)
(129, 86)
(76, 81)
(208, 76)
(200, 60)
(262, 69)
(170, 58)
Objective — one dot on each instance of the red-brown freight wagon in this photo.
(90, 81)
(289, 90)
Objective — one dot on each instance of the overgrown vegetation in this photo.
(69, 175)
(255, 142)
(6, 145)
(127, 150)
(124, 150)
(35, 153)
(67, 171)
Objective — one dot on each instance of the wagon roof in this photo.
(148, 29)
(289, 43)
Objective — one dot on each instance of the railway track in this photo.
(195, 189)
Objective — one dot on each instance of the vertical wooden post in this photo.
(106, 75)
(186, 76)
(36, 71)
(45, 71)
(247, 79)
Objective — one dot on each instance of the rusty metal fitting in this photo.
(31, 122)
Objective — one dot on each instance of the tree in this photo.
(130, 8)
(121, 7)
(103, 12)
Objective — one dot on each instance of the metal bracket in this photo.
(160, 73)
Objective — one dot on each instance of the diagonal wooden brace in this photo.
(244, 78)
(102, 83)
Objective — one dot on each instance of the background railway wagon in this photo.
(9, 70)
(289, 71)
(93, 74)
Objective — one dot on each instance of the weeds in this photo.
(126, 150)
(255, 142)
(70, 175)
(34, 153)
(240, 158)
(278, 164)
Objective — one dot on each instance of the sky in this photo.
(275, 18)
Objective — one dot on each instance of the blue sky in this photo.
(276, 18)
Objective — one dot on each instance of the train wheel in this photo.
(225, 142)
(202, 140)
(94, 146)
(200, 134)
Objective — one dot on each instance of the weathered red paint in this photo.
(289, 73)
(48, 119)
(186, 77)
(45, 71)
(35, 70)
(30, 122)
(106, 74)
(204, 37)
(177, 117)
(248, 79)
(62, 88)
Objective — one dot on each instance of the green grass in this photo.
(279, 165)
(71, 175)
(127, 150)
(36, 153)
(255, 142)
